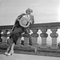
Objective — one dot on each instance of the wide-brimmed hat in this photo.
(30, 10)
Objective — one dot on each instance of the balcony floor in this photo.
(26, 57)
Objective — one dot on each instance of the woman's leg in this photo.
(13, 41)
(14, 37)
(22, 40)
(7, 50)
(9, 42)
(30, 40)
(11, 49)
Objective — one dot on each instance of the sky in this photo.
(44, 11)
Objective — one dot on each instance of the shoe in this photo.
(10, 53)
(6, 53)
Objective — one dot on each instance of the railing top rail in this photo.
(36, 26)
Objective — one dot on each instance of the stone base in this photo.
(54, 47)
(19, 41)
(43, 46)
(26, 41)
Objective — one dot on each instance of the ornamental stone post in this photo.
(44, 36)
(54, 36)
(0, 36)
(34, 37)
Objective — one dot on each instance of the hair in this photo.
(30, 10)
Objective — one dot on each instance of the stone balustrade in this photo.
(43, 27)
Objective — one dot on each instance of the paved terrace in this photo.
(26, 57)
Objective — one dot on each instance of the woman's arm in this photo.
(14, 26)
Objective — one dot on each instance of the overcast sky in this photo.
(44, 10)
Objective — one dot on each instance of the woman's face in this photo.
(28, 12)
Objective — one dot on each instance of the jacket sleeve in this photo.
(16, 24)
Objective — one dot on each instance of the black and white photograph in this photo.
(29, 29)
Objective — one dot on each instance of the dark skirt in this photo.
(14, 35)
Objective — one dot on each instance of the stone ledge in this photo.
(30, 50)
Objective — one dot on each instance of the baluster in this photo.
(19, 41)
(44, 36)
(5, 35)
(0, 36)
(26, 39)
(54, 36)
(34, 36)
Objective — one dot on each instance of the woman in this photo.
(18, 29)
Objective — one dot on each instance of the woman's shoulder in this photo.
(22, 14)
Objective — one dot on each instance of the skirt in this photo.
(14, 35)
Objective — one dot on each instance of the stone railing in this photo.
(37, 32)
